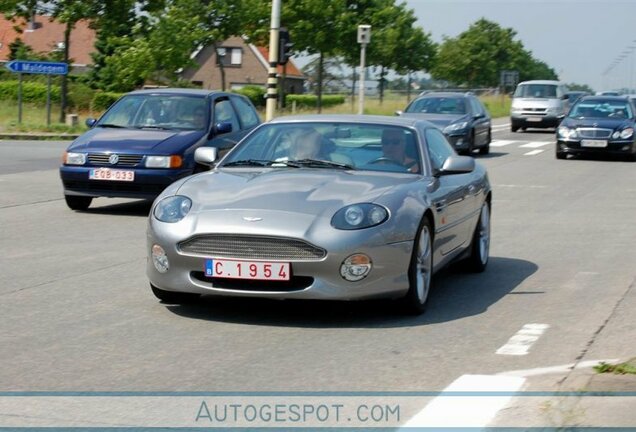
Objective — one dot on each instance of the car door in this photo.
(450, 196)
(481, 122)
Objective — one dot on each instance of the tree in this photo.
(476, 57)
(580, 87)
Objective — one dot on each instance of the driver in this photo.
(394, 148)
(307, 145)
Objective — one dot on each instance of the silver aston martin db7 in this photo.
(322, 207)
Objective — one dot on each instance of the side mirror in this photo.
(223, 128)
(457, 165)
(565, 97)
(479, 116)
(206, 155)
(399, 113)
(90, 122)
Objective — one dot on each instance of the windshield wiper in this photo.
(248, 162)
(319, 163)
(152, 127)
(110, 125)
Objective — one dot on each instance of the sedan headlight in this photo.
(163, 161)
(627, 133)
(74, 158)
(173, 209)
(455, 127)
(359, 216)
(567, 133)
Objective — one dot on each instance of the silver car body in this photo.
(291, 206)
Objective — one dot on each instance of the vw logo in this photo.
(113, 159)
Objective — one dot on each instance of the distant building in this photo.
(243, 63)
(46, 36)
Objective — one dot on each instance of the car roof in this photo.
(180, 91)
(352, 118)
(444, 94)
(541, 82)
(601, 98)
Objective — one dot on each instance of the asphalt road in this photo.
(76, 311)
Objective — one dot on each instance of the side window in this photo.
(476, 105)
(246, 113)
(224, 112)
(438, 148)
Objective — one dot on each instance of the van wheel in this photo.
(514, 128)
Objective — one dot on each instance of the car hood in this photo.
(135, 140)
(440, 120)
(602, 123)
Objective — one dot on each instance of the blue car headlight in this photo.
(359, 216)
(172, 209)
(455, 127)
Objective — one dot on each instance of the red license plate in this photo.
(255, 270)
(111, 174)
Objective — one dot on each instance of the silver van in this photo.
(538, 104)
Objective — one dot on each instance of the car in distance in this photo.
(146, 140)
(537, 104)
(598, 125)
(462, 117)
(321, 207)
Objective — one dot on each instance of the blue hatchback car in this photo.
(146, 140)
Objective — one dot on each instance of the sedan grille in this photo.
(124, 160)
(251, 247)
(594, 133)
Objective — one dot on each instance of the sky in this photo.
(579, 39)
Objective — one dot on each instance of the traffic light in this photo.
(284, 46)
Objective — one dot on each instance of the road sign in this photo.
(32, 67)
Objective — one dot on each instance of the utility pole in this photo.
(272, 96)
(364, 37)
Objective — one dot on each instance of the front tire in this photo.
(480, 245)
(75, 202)
(486, 148)
(420, 271)
(173, 297)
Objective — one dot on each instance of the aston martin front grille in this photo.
(124, 160)
(597, 133)
(251, 247)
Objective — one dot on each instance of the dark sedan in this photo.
(461, 116)
(146, 141)
(598, 125)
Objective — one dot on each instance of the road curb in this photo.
(37, 136)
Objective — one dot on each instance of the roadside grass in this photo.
(628, 367)
(34, 115)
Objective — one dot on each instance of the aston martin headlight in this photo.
(627, 133)
(74, 158)
(358, 216)
(172, 209)
(455, 127)
(566, 132)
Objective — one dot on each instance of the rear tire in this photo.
(420, 271)
(480, 245)
(75, 202)
(173, 297)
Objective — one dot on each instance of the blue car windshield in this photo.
(373, 147)
(601, 109)
(158, 111)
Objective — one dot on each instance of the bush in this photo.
(311, 101)
(31, 91)
(103, 100)
(80, 96)
(255, 94)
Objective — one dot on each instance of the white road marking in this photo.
(536, 144)
(500, 127)
(524, 373)
(533, 152)
(501, 143)
(521, 342)
(520, 186)
(476, 411)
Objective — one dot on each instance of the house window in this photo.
(229, 56)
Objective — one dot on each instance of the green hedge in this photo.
(103, 100)
(31, 91)
(255, 94)
(311, 101)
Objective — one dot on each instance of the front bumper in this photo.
(459, 141)
(535, 121)
(148, 183)
(622, 147)
(311, 279)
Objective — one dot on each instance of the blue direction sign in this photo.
(33, 67)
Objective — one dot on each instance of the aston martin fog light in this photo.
(160, 259)
(355, 267)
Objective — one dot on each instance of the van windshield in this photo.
(541, 91)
